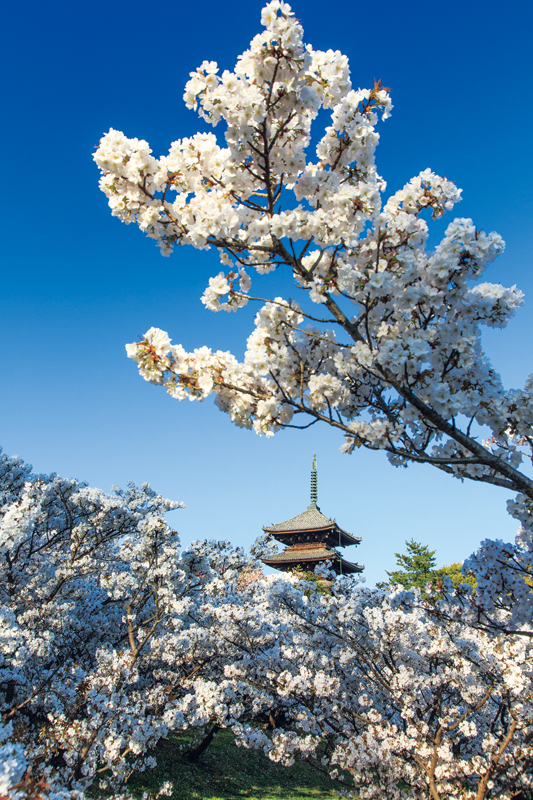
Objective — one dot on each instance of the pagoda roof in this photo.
(296, 555)
(311, 519)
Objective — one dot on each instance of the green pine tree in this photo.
(418, 567)
(415, 568)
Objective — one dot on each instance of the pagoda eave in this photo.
(337, 535)
(289, 561)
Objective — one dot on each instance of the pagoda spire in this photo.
(313, 485)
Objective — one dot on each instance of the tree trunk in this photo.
(194, 755)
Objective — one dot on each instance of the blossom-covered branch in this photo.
(409, 367)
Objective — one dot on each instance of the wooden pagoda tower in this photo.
(311, 538)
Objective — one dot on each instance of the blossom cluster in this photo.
(230, 197)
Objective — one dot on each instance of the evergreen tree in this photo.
(416, 567)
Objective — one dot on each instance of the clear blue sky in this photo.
(77, 284)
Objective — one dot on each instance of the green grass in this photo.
(225, 771)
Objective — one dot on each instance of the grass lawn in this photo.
(225, 771)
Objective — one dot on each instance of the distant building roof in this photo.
(296, 555)
(311, 519)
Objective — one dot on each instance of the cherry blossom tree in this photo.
(101, 633)
(394, 695)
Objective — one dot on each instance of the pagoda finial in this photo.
(313, 484)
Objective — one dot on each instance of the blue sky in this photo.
(77, 284)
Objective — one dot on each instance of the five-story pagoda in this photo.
(311, 538)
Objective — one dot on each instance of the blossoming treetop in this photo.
(392, 354)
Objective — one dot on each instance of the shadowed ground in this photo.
(225, 771)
